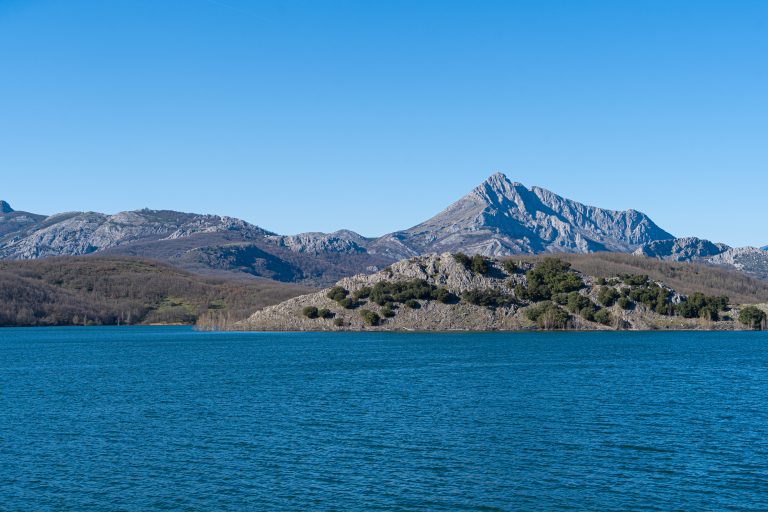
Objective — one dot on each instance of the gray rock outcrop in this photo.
(750, 260)
(681, 249)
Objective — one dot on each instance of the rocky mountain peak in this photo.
(502, 217)
(498, 190)
(499, 182)
(5, 207)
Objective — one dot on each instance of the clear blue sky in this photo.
(318, 115)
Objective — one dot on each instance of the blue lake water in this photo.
(157, 418)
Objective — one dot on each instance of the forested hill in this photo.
(111, 291)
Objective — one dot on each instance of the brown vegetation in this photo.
(112, 291)
(687, 278)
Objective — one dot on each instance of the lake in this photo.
(166, 418)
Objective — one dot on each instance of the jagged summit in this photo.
(502, 217)
(5, 207)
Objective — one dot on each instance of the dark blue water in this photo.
(170, 419)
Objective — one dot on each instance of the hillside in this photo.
(456, 292)
(108, 291)
(685, 277)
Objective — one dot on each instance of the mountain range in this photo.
(499, 217)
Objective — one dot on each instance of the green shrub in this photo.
(369, 317)
(752, 317)
(309, 312)
(510, 267)
(413, 304)
(550, 277)
(443, 296)
(601, 281)
(699, 305)
(348, 303)
(603, 316)
(385, 292)
(625, 303)
(635, 280)
(325, 313)
(387, 312)
(337, 293)
(521, 292)
(339, 322)
(488, 298)
(463, 259)
(607, 296)
(479, 265)
(548, 315)
(653, 296)
(362, 293)
(577, 303)
(588, 314)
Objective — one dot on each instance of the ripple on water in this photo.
(170, 419)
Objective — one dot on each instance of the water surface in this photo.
(140, 419)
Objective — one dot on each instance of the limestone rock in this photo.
(501, 217)
(681, 249)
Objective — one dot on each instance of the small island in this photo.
(456, 292)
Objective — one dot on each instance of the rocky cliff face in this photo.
(339, 242)
(79, 233)
(501, 217)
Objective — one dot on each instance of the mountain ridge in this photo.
(502, 217)
(499, 217)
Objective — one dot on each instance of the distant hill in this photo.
(499, 217)
(109, 291)
(750, 260)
